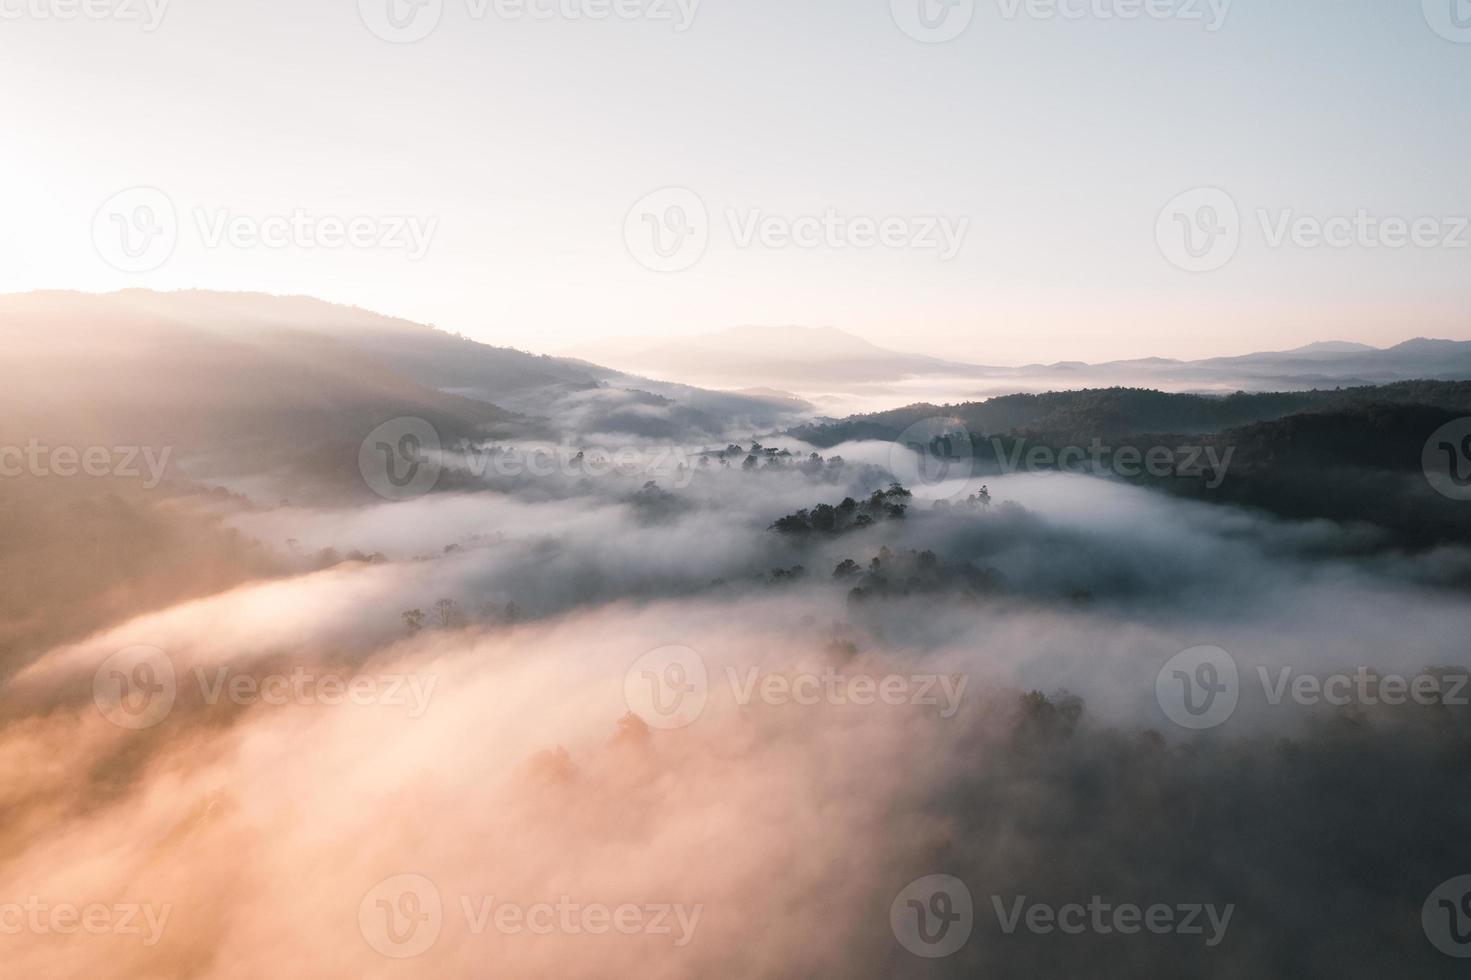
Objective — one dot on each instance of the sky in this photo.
(990, 181)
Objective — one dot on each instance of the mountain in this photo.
(806, 357)
(246, 382)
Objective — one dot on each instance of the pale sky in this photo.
(518, 146)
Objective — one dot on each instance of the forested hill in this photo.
(1114, 412)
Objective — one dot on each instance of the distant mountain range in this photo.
(245, 382)
(824, 360)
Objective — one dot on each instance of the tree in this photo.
(847, 568)
(414, 620)
(447, 611)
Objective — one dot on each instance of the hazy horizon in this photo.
(1054, 137)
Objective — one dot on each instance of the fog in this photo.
(503, 758)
